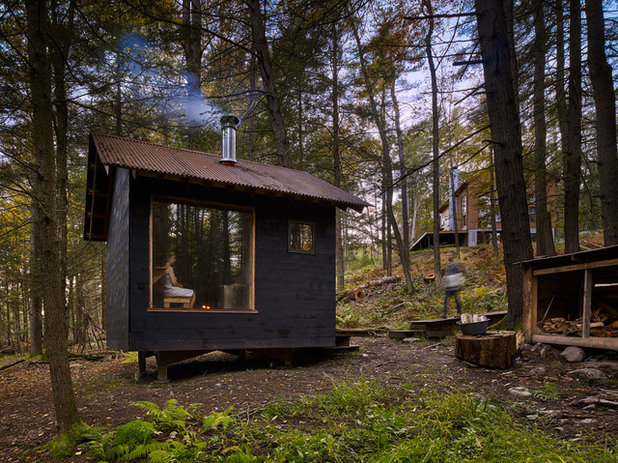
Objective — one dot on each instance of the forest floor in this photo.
(540, 391)
(107, 387)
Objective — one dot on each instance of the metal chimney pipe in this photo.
(228, 125)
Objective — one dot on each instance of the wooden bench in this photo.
(176, 301)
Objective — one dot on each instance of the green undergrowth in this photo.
(393, 307)
(63, 446)
(356, 422)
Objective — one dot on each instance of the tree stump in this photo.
(495, 349)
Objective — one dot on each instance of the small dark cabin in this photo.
(252, 245)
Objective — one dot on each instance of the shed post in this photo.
(530, 303)
(587, 303)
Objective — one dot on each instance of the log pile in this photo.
(601, 325)
(356, 294)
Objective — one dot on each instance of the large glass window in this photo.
(202, 257)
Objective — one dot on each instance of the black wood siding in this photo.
(294, 292)
(117, 303)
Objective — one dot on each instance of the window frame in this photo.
(313, 236)
(205, 204)
(464, 210)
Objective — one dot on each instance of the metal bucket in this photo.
(474, 329)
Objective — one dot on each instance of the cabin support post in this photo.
(141, 364)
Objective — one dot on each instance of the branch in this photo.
(417, 168)
(438, 16)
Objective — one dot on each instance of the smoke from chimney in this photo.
(228, 125)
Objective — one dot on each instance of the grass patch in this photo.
(355, 422)
(63, 445)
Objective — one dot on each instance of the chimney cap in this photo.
(229, 120)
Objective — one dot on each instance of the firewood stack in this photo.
(601, 325)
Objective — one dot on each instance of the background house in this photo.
(472, 199)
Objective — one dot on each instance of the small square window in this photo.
(301, 237)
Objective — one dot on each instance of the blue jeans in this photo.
(448, 294)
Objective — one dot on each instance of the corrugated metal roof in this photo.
(151, 157)
(574, 258)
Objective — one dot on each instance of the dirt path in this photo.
(106, 388)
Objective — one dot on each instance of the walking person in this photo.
(453, 281)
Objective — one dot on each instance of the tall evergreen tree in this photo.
(573, 151)
(506, 140)
(45, 193)
(544, 238)
(605, 121)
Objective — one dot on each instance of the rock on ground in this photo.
(573, 354)
(588, 373)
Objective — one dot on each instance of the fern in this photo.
(143, 451)
(134, 432)
(161, 456)
(131, 440)
(241, 457)
(216, 419)
(172, 416)
(130, 357)
(175, 452)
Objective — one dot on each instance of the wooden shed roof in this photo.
(578, 260)
(107, 151)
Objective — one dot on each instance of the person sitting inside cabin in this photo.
(171, 286)
(453, 281)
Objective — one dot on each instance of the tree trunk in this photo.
(36, 327)
(386, 160)
(79, 330)
(605, 104)
(492, 207)
(335, 64)
(119, 74)
(435, 146)
(103, 287)
(59, 53)
(405, 219)
(273, 102)
(561, 105)
(510, 28)
(192, 44)
(252, 99)
(299, 128)
(544, 239)
(454, 212)
(573, 151)
(506, 139)
(8, 316)
(45, 199)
